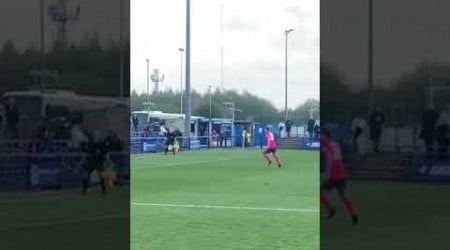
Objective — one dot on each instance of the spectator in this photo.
(145, 131)
(12, 119)
(310, 127)
(442, 129)
(317, 129)
(221, 138)
(281, 127)
(96, 156)
(112, 142)
(213, 140)
(288, 127)
(2, 121)
(135, 121)
(79, 137)
(163, 131)
(35, 144)
(377, 121)
(359, 130)
(248, 137)
(47, 141)
(428, 132)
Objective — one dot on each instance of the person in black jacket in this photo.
(112, 142)
(310, 127)
(428, 132)
(170, 142)
(12, 119)
(377, 121)
(95, 158)
(135, 122)
(288, 127)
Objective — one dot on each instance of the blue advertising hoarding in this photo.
(438, 170)
(45, 171)
(50, 171)
(310, 144)
(152, 145)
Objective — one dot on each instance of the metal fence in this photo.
(57, 168)
(37, 171)
(157, 144)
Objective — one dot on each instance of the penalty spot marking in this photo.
(297, 210)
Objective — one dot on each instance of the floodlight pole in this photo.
(286, 33)
(181, 80)
(148, 81)
(187, 95)
(42, 41)
(370, 57)
(121, 50)
(232, 124)
(210, 112)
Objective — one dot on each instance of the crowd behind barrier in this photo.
(157, 144)
(61, 168)
(405, 142)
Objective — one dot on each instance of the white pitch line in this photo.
(298, 210)
(193, 152)
(62, 222)
(184, 163)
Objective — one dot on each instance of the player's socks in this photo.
(355, 220)
(330, 210)
(266, 157)
(350, 207)
(278, 160)
(103, 185)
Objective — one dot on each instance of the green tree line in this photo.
(402, 102)
(89, 68)
(253, 108)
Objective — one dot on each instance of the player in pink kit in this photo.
(336, 176)
(271, 148)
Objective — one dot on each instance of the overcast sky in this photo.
(20, 21)
(405, 33)
(253, 45)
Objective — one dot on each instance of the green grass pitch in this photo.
(393, 215)
(226, 199)
(49, 220)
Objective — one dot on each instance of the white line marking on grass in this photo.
(160, 155)
(186, 162)
(62, 222)
(298, 210)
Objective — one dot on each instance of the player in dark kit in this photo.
(96, 155)
(171, 142)
(336, 176)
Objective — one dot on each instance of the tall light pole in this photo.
(181, 80)
(286, 33)
(121, 48)
(156, 78)
(370, 63)
(221, 44)
(148, 81)
(210, 111)
(42, 41)
(187, 96)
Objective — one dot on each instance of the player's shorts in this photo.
(339, 184)
(271, 150)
